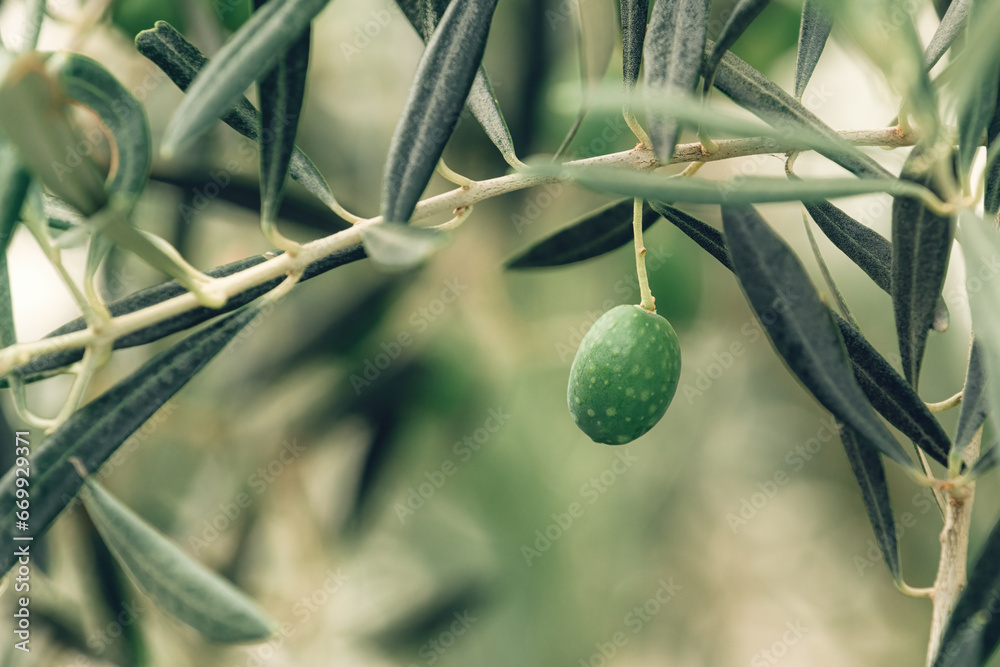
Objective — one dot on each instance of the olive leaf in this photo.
(868, 249)
(629, 183)
(86, 81)
(866, 464)
(991, 198)
(396, 247)
(740, 18)
(44, 365)
(755, 92)
(921, 246)
(817, 21)
(179, 585)
(977, 107)
(952, 25)
(975, 403)
(424, 15)
(181, 61)
(47, 140)
(893, 397)
(281, 91)
(599, 232)
(252, 51)
(986, 462)
(14, 182)
(800, 326)
(633, 18)
(93, 433)
(973, 629)
(675, 43)
(444, 77)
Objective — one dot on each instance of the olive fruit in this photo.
(624, 375)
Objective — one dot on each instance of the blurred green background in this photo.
(387, 463)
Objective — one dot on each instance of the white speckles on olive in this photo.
(626, 342)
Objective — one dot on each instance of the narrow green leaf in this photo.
(991, 199)
(889, 393)
(952, 25)
(976, 111)
(95, 431)
(706, 236)
(89, 83)
(440, 88)
(974, 84)
(396, 247)
(281, 92)
(181, 61)
(595, 234)
(817, 21)
(866, 464)
(973, 630)
(629, 183)
(893, 397)
(755, 92)
(975, 403)
(921, 246)
(34, 117)
(986, 462)
(33, 18)
(633, 18)
(424, 15)
(675, 45)
(179, 585)
(868, 249)
(252, 51)
(740, 18)
(43, 366)
(14, 181)
(800, 326)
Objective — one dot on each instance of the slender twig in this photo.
(639, 158)
(647, 301)
(946, 404)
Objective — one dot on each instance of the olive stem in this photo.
(647, 303)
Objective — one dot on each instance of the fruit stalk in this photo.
(647, 301)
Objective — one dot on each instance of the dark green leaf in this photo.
(396, 247)
(424, 15)
(95, 431)
(986, 462)
(42, 367)
(596, 233)
(252, 51)
(975, 112)
(871, 251)
(89, 83)
(675, 45)
(921, 246)
(973, 630)
(706, 236)
(437, 96)
(634, 15)
(975, 404)
(281, 92)
(181, 61)
(758, 94)
(894, 397)
(740, 18)
(178, 585)
(951, 26)
(800, 326)
(814, 30)
(14, 181)
(991, 200)
(866, 464)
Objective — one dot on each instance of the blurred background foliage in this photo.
(387, 462)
